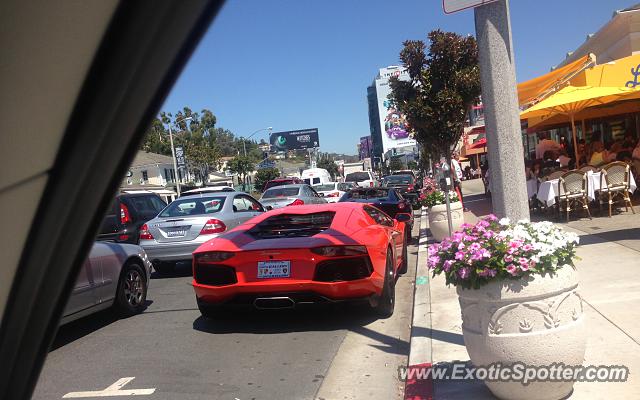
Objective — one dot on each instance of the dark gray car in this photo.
(290, 195)
(189, 221)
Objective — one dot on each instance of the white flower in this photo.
(504, 221)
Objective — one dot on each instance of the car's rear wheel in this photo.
(164, 268)
(386, 302)
(132, 290)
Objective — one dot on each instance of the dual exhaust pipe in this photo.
(273, 303)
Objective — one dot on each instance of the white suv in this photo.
(361, 178)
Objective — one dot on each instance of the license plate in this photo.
(176, 232)
(274, 269)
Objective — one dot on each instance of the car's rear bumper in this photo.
(330, 291)
(175, 251)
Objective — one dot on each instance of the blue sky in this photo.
(294, 64)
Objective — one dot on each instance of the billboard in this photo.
(365, 147)
(393, 124)
(295, 140)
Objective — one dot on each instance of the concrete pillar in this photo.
(501, 113)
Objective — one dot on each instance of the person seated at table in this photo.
(549, 163)
(610, 155)
(625, 144)
(583, 150)
(598, 154)
(624, 156)
(563, 159)
(546, 144)
(635, 159)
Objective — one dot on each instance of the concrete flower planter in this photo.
(536, 321)
(438, 219)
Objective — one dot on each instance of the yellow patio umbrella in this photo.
(573, 99)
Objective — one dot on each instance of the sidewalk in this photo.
(609, 266)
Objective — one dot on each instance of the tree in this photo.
(395, 164)
(241, 165)
(265, 175)
(443, 85)
(327, 163)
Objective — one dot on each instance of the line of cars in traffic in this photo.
(342, 241)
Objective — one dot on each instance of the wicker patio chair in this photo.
(572, 188)
(614, 183)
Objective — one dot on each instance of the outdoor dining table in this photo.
(549, 190)
(532, 187)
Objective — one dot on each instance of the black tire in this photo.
(132, 290)
(210, 311)
(405, 257)
(164, 268)
(385, 303)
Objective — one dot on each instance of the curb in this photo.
(420, 354)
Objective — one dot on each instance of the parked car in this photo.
(282, 181)
(192, 220)
(114, 275)
(290, 195)
(315, 176)
(388, 200)
(332, 191)
(405, 184)
(306, 254)
(127, 213)
(208, 189)
(405, 172)
(361, 178)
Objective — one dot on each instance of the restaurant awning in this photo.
(538, 88)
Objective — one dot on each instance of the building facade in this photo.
(390, 135)
(150, 169)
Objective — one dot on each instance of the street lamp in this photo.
(173, 153)
(244, 143)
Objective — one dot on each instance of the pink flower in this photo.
(491, 218)
(515, 244)
(459, 255)
(445, 245)
(487, 272)
(433, 261)
(447, 265)
(474, 246)
(512, 269)
(461, 246)
(527, 247)
(463, 273)
(508, 258)
(488, 234)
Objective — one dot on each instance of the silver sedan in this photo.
(114, 274)
(188, 222)
(290, 195)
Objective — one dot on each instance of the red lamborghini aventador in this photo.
(304, 254)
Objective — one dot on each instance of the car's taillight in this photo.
(214, 256)
(411, 187)
(296, 202)
(401, 205)
(371, 184)
(144, 233)
(213, 226)
(334, 194)
(125, 218)
(339, 251)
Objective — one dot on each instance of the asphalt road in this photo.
(336, 352)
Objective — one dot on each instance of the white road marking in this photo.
(112, 391)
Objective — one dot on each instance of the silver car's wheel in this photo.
(132, 290)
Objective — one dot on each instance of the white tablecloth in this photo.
(532, 187)
(548, 190)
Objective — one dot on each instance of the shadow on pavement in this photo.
(435, 334)
(317, 318)
(180, 270)
(79, 328)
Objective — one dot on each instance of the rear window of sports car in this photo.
(292, 225)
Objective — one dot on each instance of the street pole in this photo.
(175, 163)
(501, 110)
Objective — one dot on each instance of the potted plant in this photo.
(434, 199)
(518, 293)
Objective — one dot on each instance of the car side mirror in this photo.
(402, 217)
(268, 208)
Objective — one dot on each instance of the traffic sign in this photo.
(451, 6)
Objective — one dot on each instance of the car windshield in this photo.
(281, 192)
(278, 183)
(398, 179)
(357, 177)
(325, 187)
(151, 204)
(193, 206)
